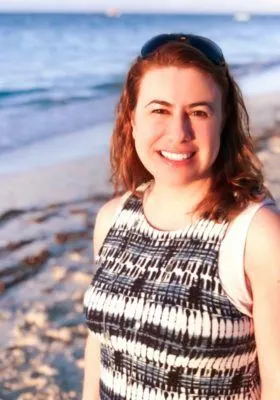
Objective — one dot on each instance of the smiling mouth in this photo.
(176, 156)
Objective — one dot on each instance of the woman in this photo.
(179, 308)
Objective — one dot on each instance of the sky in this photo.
(258, 6)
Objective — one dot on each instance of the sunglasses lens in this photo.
(209, 48)
(153, 44)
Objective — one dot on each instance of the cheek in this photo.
(214, 144)
(146, 133)
(210, 138)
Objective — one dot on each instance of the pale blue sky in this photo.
(144, 5)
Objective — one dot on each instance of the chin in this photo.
(176, 180)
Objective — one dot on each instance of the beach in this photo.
(56, 122)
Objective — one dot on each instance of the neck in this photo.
(182, 198)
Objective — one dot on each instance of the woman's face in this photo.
(177, 124)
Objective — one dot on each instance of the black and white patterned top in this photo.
(166, 326)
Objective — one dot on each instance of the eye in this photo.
(200, 114)
(160, 111)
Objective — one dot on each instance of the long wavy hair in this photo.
(237, 176)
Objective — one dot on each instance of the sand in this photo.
(70, 167)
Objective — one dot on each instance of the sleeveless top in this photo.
(167, 328)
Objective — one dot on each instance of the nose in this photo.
(180, 129)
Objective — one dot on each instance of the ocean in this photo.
(61, 73)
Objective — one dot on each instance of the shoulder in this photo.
(262, 244)
(262, 258)
(104, 219)
(108, 210)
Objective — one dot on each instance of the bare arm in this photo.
(262, 264)
(92, 369)
(104, 220)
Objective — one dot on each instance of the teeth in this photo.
(176, 156)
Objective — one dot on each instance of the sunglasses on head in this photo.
(206, 46)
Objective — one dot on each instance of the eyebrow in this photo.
(191, 105)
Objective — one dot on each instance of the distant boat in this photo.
(113, 12)
(242, 17)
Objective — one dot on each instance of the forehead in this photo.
(178, 85)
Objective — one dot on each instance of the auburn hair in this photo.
(237, 176)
